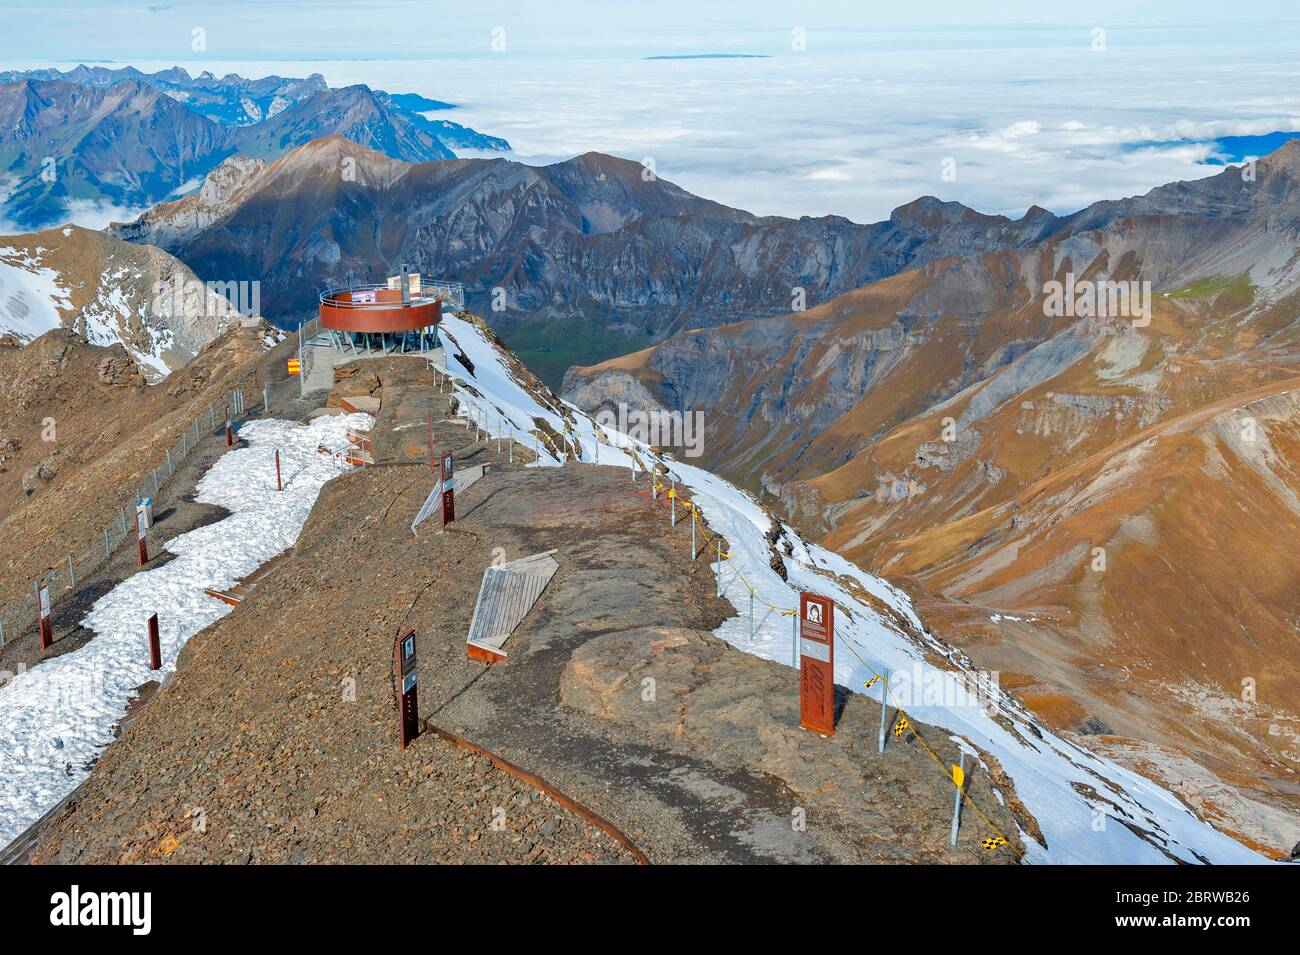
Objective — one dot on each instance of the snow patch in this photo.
(31, 296)
(57, 717)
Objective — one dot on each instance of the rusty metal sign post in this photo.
(141, 526)
(279, 485)
(448, 490)
(408, 704)
(47, 617)
(817, 663)
(230, 429)
(155, 648)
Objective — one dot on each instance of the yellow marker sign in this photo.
(295, 366)
(958, 775)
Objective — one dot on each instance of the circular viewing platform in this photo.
(380, 309)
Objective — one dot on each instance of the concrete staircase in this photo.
(320, 374)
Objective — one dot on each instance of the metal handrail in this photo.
(429, 292)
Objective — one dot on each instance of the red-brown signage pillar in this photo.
(279, 485)
(408, 704)
(47, 617)
(155, 649)
(141, 523)
(817, 663)
(448, 490)
(230, 430)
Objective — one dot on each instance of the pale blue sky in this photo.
(334, 29)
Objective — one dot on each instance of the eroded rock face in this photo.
(608, 392)
(120, 372)
(9, 450)
(169, 221)
(712, 699)
(43, 473)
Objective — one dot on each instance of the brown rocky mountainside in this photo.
(595, 238)
(109, 291)
(81, 428)
(277, 731)
(1105, 508)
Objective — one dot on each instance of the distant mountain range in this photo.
(593, 256)
(709, 56)
(230, 99)
(95, 138)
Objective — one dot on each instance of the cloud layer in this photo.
(857, 134)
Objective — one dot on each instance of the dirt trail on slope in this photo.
(279, 727)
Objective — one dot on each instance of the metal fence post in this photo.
(719, 593)
(956, 806)
(751, 616)
(884, 706)
(794, 637)
(107, 550)
(694, 552)
(72, 574)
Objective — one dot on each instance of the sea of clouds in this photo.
(859, 133)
